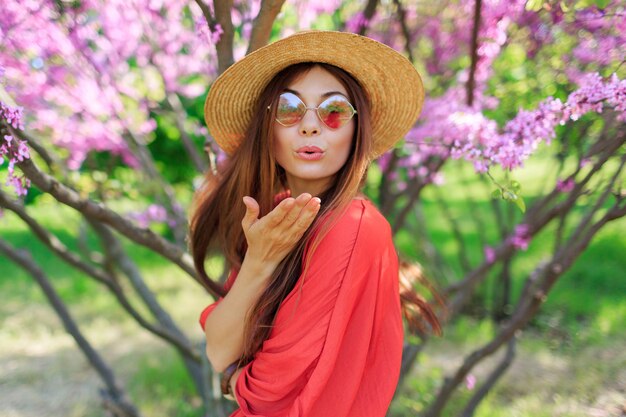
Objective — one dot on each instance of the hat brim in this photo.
(391, 82)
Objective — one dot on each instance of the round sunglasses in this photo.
(334, 112)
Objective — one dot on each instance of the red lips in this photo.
(309, 149)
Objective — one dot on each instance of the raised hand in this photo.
(273, 236)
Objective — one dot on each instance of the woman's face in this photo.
(312, 173)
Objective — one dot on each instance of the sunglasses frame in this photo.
(316, 110)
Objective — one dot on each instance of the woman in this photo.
(310, 323)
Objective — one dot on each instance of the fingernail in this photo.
(317, 200)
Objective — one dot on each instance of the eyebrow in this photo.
(324, 95)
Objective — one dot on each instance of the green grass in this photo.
(164, 376)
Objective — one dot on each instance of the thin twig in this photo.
(178, 112)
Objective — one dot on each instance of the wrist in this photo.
(257, 267)
(227, 377)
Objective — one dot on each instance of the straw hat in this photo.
(393, 85)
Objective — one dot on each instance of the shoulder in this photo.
(361, 224)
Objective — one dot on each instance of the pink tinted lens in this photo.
(290, 109)
(335, 111)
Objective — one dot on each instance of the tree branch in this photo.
(368, 13)
(456, 230)
(51, 161)
(536, 217)
(114, 393)
(224, 47)
(263, 22)
(537, 287)
(415, 190)
(178, 112)
(100, 212)
(405, 29)
(474, 53)
(485, 388)
(58, 248)
(384, 193)
(164, 194)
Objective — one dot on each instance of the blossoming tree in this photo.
(91, 87)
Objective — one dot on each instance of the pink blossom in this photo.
(205, 32)
(13, 149)
(565, 186)
(356, 22)
(600, 36)
(447, 128)
(309, 11)
(470, 382)
(82, 101)
(154, 213)
(521, 237)
(490, 254)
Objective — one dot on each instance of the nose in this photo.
(310, 123)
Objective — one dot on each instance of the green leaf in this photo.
(497, 193)
(583, 4)
(509, 195)
(515, 185)
(534, 5)
(519, 202)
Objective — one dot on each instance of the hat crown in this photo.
(392, 84)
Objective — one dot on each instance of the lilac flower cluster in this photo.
(601, 36)
(458, 131)
(73, 72)
(205, 32)
(153, 214)
(565, 186)
(519, 239)
(309, 11)
(592, 95)
(356, 21)
(13, 149)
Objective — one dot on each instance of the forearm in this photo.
(224, 326)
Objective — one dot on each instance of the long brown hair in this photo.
(252, 170)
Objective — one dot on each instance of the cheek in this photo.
(281, 147)
(344, 144)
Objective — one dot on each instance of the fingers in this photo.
(300, 202)
(303, 209)
(308, 213)
(252, 212)
(276, 216)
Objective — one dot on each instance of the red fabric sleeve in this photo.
(336, 345)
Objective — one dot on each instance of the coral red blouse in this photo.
(337, 351)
